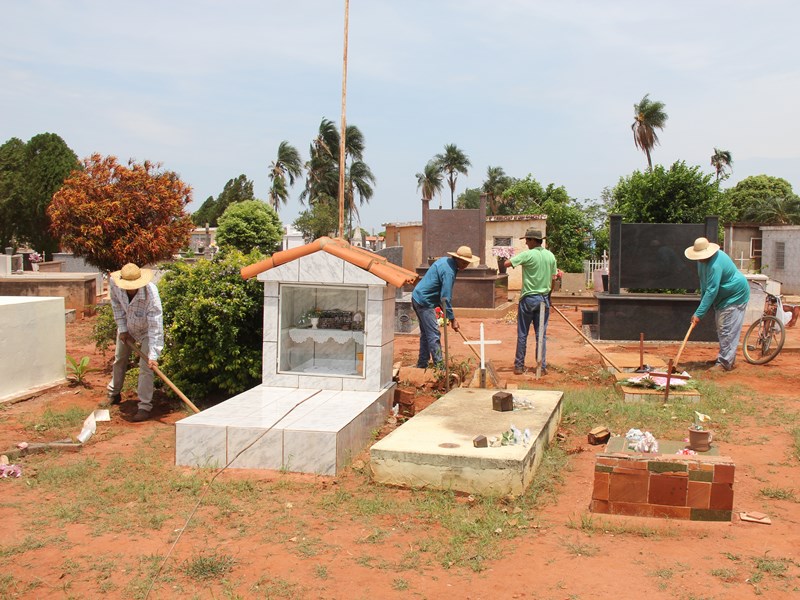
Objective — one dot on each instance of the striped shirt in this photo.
(141, 317)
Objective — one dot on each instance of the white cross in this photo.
(482, 342)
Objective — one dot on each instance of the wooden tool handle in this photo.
(683, 345)
(166, 380)
(580, 333)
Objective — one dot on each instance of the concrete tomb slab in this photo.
(435, 448)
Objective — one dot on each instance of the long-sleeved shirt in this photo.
(721, 284)
(140, 317)
(437, 285)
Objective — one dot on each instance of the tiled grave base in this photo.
(435, 449)
(629, 361)
(301, 430)
(632, 393)
(697, 487)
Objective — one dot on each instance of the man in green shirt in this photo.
(725, 289)
(538, 271)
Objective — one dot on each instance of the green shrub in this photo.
(213, 325)
(250, 225)
(104, 332)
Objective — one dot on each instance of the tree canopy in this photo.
(648, 115)
(452, 162)
(680, 194)
(250, 225)
(30, 173)
(112, 214)
(765, 199)
(236, 190)
(283, 172)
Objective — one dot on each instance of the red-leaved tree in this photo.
(113, 214)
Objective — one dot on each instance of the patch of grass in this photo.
(727, 575)
(374, 537)
(58, 421)
(320, 571)
(591, 524)
(399, 584)
(776, 493)
(578, 548)
(795, 433)
(276, 587)
(208, 566)
(26, 545)
(776, 567)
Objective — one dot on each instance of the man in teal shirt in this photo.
(538, 271)
(725, 289)
(436, 289)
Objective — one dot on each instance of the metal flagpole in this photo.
(342, 157)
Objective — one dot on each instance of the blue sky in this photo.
(210, 88)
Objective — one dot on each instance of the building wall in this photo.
(409, 236)
(789, 274)
(32, 344)
(77, 289)
(737, 245)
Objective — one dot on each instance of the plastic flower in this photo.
(35, 257)
(503, 251)
(699, 419)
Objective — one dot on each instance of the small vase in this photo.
(501, 266)
(34, 266)
(314, 322)
(700, 441)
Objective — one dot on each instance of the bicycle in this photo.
(766, 336)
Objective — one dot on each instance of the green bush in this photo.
(104, 332)
(213, 326)
(250, 225)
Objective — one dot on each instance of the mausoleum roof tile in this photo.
(359, 257)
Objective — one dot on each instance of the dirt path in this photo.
(98, 523)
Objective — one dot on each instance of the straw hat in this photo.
(131, 277)
(465, 253)
(701, 249)
(533, 234)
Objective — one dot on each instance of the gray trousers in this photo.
(145, 388)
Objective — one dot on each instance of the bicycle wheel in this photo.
(764, 340)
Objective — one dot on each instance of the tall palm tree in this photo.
(648, 116)
(774, 211)
(453, 161)
(430, 181)
(287, 165)
(496, 183)
(721, 160)
(358, 181)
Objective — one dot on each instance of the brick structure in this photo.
(698, 488)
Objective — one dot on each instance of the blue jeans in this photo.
(430, 346)
(729, 323)
(527, 312)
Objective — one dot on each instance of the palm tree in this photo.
(358, 180)
(430, 181)
(496, 183)
(287, 165)
(648, 116)
(721, 160)
(774, 211)
(453, 161)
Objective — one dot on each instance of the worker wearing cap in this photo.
(137, 312)
(538, 271)
(435, 289)
(725, 289)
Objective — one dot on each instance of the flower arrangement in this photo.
(35, 257)
(699, 419)
(559, 274)
(503, 251)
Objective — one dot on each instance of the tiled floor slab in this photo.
(435, 449)
(305, 430)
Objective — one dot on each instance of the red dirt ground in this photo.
(551, 560)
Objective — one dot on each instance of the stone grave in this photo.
(32, 345)
(326, 384)
(696, 487)
(436, 448)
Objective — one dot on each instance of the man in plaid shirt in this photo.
(137, 312)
